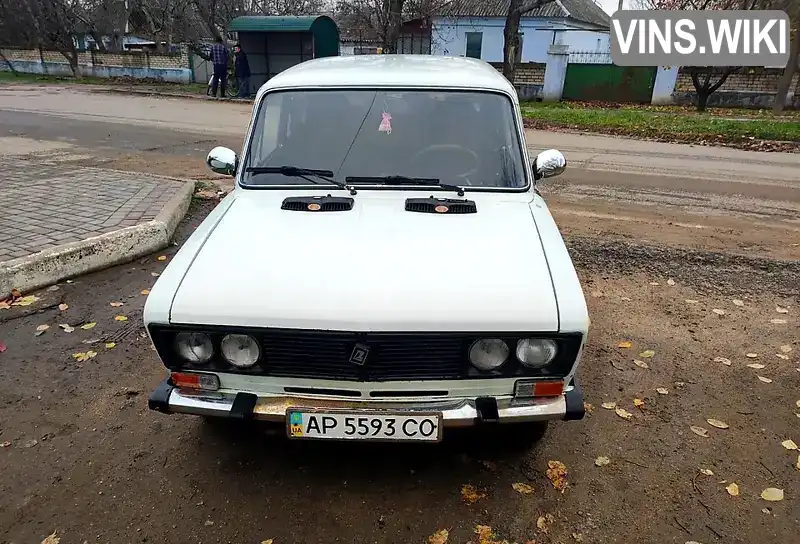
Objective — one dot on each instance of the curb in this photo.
(98, 252)
(169, 94)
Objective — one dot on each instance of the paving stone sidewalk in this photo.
(49, 205)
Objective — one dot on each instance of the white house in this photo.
(474, 28)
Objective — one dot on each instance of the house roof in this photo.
(581, 10)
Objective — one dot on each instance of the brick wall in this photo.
(528, 79)
(750, 87)
(169, 67)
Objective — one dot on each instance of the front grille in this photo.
(328, 355)
(317, 204)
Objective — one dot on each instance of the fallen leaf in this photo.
(786, 348)
(267, 541)
(609, 405)
(439, 537)
(81, 356)
(662, 390)
(654, 283)
(718, 311)
(51, 539)
(588, 407)
(120, 318)
(544, 521)
(626, 299)
(470, 494)
(489, 465)
(639, 403)
(4, 305)
(145, 291)
(520, 487)
(751, 355)
(597, 294)
(732, 489)
(797, 403)
(782, 356)
(485, 534)
(765, 380)
(87, 326)
(757, 366)
(778, 321)
(116, 304)
(110, 345)
(646, 354)
(670, 282)
(797, 466)
(781, 310)
(738, 302)
(706, 471)
(42, 328)
(602, 461)
(155, 274)
(723, 360)
(66, 327)
(162, 257)
(772, 494)
(717, 423)
(640, 364)
(623, 413)
(5, 444)
(699, 431)
(691, 301)
(557, 472)
(63, 307)
(25, 301)
(624, 344)
(789, 444)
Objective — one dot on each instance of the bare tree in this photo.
(383, 19)
(792, 8)
(516, 9)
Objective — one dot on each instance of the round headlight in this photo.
(488, 354)
(536, 352)
(240, 350)
(195, 347)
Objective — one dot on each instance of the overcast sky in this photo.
(610, 6)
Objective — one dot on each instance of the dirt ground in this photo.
(83, 457)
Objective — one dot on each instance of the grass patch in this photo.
(668, 122)
(144, 84)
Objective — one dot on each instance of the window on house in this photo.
(474, 42)
(518, 58)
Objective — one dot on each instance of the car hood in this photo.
(374, 268)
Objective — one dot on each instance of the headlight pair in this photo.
(240, 350)
(491, 353)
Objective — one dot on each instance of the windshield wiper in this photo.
(404, 180)
(305, 173)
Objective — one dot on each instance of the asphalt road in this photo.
(83, 458)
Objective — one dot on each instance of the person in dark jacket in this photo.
(242, 70)
(219, 59)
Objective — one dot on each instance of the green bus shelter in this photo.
(274, 44)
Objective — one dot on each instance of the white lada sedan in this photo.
(384, 268)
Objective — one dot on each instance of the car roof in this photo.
(393, 71)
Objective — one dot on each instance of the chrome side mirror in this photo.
(222, 161)
(549, 163)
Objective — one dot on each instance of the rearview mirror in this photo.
(548, 164)
(222, 161)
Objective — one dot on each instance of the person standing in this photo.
(219, 59)
(242, 70)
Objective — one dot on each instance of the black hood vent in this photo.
(317, 204)
(440, 206)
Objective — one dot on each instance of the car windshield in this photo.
(385, 137)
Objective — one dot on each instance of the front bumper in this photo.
(459, 412)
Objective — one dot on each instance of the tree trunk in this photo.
(511, 40)
(8, 63)
(788, 73)
(706, 88)
(393, 29)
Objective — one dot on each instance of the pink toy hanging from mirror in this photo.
(386, 123)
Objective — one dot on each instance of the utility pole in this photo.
(619, 8)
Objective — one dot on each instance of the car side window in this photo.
(269, 132)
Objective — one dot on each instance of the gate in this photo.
(591, 76)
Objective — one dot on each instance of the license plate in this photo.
(363, 425)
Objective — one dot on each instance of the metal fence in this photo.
(590, 57)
